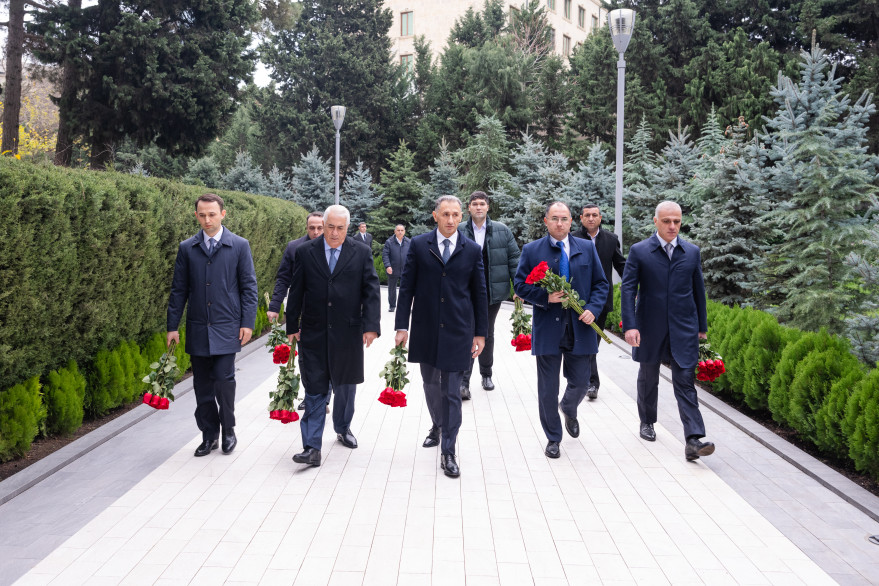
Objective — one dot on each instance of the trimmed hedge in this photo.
(21, 416)
(65, 392)
(92, 254)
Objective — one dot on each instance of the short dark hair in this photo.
(478, 195)
(211, 197)
(556, 203)
(590, 206)
(314, 215)
(361, 224)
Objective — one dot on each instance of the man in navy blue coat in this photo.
(394, 253)
(334, 310)
(314, 228)
(557, 332)
(214, 274)
(445, 279)
(664, 317)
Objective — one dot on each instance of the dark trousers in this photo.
(576, 371)
(682, 380)
(486, 358)
(315, 415)
(594, 381)
(393, 279)
(213, 379)
(442, 393)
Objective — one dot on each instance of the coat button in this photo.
(209, 303)
(557, 319)
(442, 299)
(444, 274)
(209, 324)
(330, 326)
(330, 282)
(207, 284)
(441, 325)
(330, 303)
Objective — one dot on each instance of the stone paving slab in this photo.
(613, 509)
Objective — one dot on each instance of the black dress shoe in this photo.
(348, 440)
(301, 406)
(309, 456)
(552, 450)
(229, 441)
(449, 466)
(432, 439)
(647, 432)
(206, 447)
(695, 448)
(572, 426)
(465, 393)
(487, 384)
(592, 393)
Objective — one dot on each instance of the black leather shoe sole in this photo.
(706, 450)
(430, 442)
(204, 449)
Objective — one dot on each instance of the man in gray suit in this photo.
(214, 274)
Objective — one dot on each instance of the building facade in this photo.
(571, 20)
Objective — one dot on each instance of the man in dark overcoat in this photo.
(558, 333)
(394, 253)
(334, 310)
(443, 290)
(363, 236)
(610, 253)
(214, 275)
(664, 317)
(314, 227)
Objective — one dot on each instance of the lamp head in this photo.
(338, 115)
(621, 23)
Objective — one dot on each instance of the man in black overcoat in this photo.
(334, 310)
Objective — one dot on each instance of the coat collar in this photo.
(198, 239)
(576, 247)
(433, 246)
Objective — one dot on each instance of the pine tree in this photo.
(639, 199)
(485, 158)
(204, 171)
(312, 182)
(862, 327)
(444, 180)
(539, 177)
(710, 141)
(277, 185)
(675, 169)
(358, 194)
(244, 175)
(400, 193)
(595, 182)
(821, 183)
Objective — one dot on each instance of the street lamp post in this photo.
(338, 114)
(621, 23)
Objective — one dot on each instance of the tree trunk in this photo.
(12, 91)
(64, 145)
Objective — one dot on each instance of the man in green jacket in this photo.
(500, 256)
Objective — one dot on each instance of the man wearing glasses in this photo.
(559, 334)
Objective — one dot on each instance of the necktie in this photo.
(564, 264)
(446, 244)
(669, 250)
(332, 259)
(211, 245)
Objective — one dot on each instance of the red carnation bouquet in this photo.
(281, 407)
(521, 327)
(553, 283)
(710, 363)
(396, 378)
(161, 380)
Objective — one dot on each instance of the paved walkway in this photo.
(130, 504)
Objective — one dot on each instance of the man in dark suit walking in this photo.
(214, 274)
(559, 333)
(394, 253)
(445, 279)
(333, 310)
(363, 236)
(314, 227)
(664, 316)
(610, 254)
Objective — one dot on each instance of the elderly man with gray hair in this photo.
(334, 311)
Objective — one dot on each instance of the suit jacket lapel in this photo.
(344, 256)
(432, 245)
(318, 256)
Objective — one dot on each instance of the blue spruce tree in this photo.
(444, 180)
(312, 182)
(358, 194)
(244, 175)
(277, 184)
(594, 182)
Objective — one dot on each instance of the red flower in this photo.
(537, 273)
(281, 354)
(147, 397)
(164, 403)
(276, 414)
(621, 325)
(522, 342)
(392, 398)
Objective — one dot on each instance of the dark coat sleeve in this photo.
(629, 288)
(370, 296)
(407, 289)
(478, 296)
(179, 290)
(619, 261)
(283, 278)
(699, 295)
(533, 294)
(247, 288)
(294, 297)
(386, 253)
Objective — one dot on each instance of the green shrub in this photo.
(380, 270)
(64, 394)
(21, 415)
(732, 348)
(108, 241)
(761, 357)
(779, 385)
(861, 424)
(616, 316)
(830, 435)
(183, 361)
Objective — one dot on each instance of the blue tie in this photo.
(564, 264)
(332, 260)
(446, 244)
(211, 245)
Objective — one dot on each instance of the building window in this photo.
(568, 9)
(581, 18)
(408, 61)
(551, 4)
(407, 26)
(594, 23)
(566, 45)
